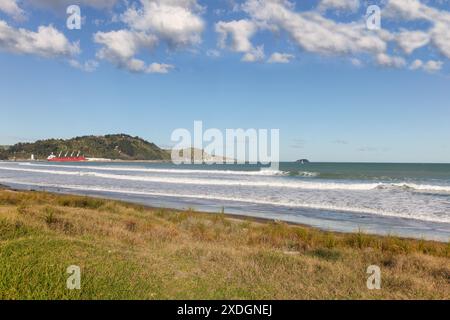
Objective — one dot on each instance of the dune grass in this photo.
(127, 251)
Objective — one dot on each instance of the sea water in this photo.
(403, 199)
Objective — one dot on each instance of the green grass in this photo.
(126, 251)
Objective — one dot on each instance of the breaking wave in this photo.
(314, 206)
(262, 172)
(269, 182)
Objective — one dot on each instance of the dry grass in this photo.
(128, 251)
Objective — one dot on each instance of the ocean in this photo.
(411, 200)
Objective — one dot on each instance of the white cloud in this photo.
(135, 65)
(278, 57)
(390, 61)
(176, 21)
(440, 36)
(356, 62)
(350, 5)
(412, 40)
(254, 55)
(236, 36)
(415, 10)
(11, 8)
(416, 64)
(120, 47)
(315, 33)
(433, 66)
(46, 42)
(88, 66)
(159, 68)
(237, 33)
(406, 9)
(178, 24)
(139, 66)
(308, 29)
(429, 66)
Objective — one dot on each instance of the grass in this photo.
(127, 251)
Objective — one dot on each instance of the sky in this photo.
(337, 87)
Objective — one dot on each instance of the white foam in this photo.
(315, 206)
(212, 182)
(309, 185)
(308, 174)
(262, 172)
(423, 187)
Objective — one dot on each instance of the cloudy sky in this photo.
(336, 89)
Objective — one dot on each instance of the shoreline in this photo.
(314, 208)
(94, 161)
(240, 217)
(130, 251)
(230, 216)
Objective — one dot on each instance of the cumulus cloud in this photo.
(390, 61)
(429, 66)
(315, 33)
(416, 64)
(178, 24)
(407, 9)
(139, 66)
(236, 34)
(349, 5)
(11, 8)
(310, 30)
(432, 66)
(87, 66)
(409, 41)
(356, 62)
(120, 47)
(438, 33)
(159, 68)
(254, 55)
(46, 42)
(278, 57)
(440, 36)
(175, 22)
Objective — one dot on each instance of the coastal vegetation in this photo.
(3, 152)
(130, 251)
(114, 146)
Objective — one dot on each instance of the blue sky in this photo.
(336, 90)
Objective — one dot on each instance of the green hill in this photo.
(115, 146)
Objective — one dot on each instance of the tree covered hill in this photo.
(115, 146)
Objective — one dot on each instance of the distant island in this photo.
(114, 146)
(303, 161)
